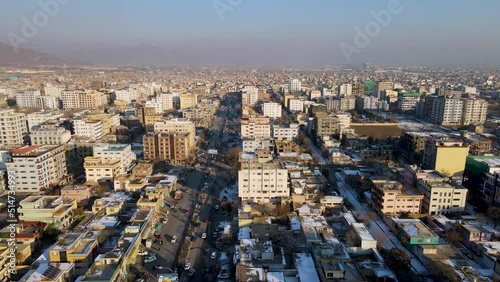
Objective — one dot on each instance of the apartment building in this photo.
(474, 111)
(38, 118)
(83, 99)
(12, 127)
(49, 209)
(27, 99)
(99, 170)
(347, 104)
(390, 96)
(408, 101)
(253, 127)
(271, 110)
(187, 100)
(447, 110)
(249, 95)
(47, 102)
(168, 146)
(345, 89)
(120, 152)
(92, 129)
(77, 192)
(49, 134)
(252, 144)
(314, 94)
(382, 86)
(262, 182)
(165, 102)
(358, 88)
(295, 105)
(391, 197)
(74, 247)
(285, 131)
(108, 120)
(326, 124)
(367, 103)
(445, 155)
(294, 85)
(178, 125)
(37, 167)
(441, 197)
(126, 95)
(52, 90)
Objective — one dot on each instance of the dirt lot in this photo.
(378, 132)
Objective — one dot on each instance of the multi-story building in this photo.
(445, 155)
(47, 102)
(255, 127)
(347, 104)
(167, 146)
(27, 99)
(188, 101)
(49, 209)
(474, 111)
(54, 91)
(407, 101)
(392, 198)
(74, 247)
(126, 95)
(121, 152)
(366, 103)
(178, 125)
(165, 102)
(294, 85)
(271, 110)
(249, 95)
(93, 129)
(391, 96)
(77, 192)
(100, 170)
(326, 124)
(262, 182)
(86, 99)
(313, 94)
(49, 134)
(250, 145)
(38, 118)
(295, 105)
(358, 88)
(285, 131)
(326, 92)
(447, 110)
(441, 197)
(12, 127)
(383, 86)
(108, 120)
(479, 144)
(37, 167)
(345, 89)
(468, 89)
(491, 188)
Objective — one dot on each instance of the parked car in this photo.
(174, 239)
(216, 207)
(149, 259)
(164, 221)
(143, 253)
(187, 266)
(204, 235)
(158, 266)
(213, 255)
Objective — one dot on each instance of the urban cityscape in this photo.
(149, 165)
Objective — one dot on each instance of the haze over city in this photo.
(268, 33)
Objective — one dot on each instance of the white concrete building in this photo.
(37, 167)
(345, 89)
(367, 103)
(441, 197)
(474, 111)
(255, 130)
(447, 111)
(12, 127)
(54, 91)
(178, 125)
(83, 99)
(165, 102)
(38, 118)
(295, 105)
(262, 182)
(49, 135)
(285, 131)
(27, 99)
(250, 145)
(328, 92)
(126, 95)
(121, 152)
(271, 110)
(47, 102)
(313, 94)
(249, 95)
(294, 85)
(93, 129)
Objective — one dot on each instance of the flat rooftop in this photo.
(414, 228)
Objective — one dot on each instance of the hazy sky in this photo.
(263, 32)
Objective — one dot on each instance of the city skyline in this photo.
(224, 32)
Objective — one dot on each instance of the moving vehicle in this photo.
(174, 239)
(149, 259)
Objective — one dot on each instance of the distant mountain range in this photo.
(28, 57)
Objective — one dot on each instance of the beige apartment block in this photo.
(178, 125)
(262, 182)
(168, 146)
(12, 127)
(99, 170)
(391, 197)
(442, 197)
(474, 111)
(83, 99)
(188, 100)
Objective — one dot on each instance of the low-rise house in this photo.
(413, 232)
(51, 272)
(49, 209)
(77, 192)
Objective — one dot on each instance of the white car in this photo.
(204, 236)
(150, 259)
(187, 266)
(214, 255)
(143, 253)
(216, 207)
